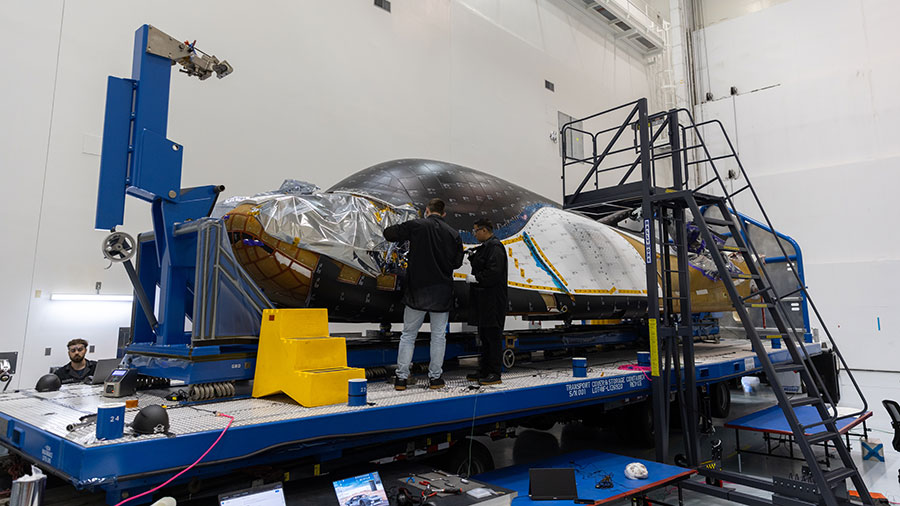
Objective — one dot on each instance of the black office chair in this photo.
(893, 410)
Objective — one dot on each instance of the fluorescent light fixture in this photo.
(91, 297)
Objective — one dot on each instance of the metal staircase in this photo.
(665, 146)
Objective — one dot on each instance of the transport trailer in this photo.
(47, 429)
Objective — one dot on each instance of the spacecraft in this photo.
(310, 248)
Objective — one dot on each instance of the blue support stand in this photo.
(138, 160)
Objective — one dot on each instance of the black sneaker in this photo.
(490, 379)
(399, 383)
(475, 376)
(435, 383)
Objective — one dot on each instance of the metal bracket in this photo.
(195, 64)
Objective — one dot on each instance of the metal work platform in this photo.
(276, 428)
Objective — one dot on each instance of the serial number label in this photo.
(604, 385)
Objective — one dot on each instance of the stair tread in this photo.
(839, 474)
(821, 437)
(804, 401)
(717, 221)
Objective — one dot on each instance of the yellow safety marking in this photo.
(287, 476)
(529, 280)
(448, 437)
(548, 261)
(776, 336)
(507, 242)
(609, 291)
(459, 276)
(654, 348)
(510, 252)
(428, 441)
(536, 287)
(758, 305)
(317, 469)
(670, 190)
(522, 272)
(516, 261)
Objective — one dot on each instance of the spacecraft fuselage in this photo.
(324, 249)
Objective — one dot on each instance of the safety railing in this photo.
(648, 153)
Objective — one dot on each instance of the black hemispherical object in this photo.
(48, 383)
(151, 420)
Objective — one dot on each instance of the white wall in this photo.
(321, 89)
(820, 145)
(715, 11)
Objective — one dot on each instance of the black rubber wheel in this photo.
(460, 461)
(720, 399)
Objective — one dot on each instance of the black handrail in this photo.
(597, 159)
(768, 222)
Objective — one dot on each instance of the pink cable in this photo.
(635, 367)
(230, 421)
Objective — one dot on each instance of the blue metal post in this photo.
(139, 160)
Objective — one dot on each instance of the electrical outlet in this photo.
(46, 352)
(91, 349)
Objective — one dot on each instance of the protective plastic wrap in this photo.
(342, 226)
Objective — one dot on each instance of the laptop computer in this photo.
(548, 484)
(362, 490)
(265, 495)
(104, 367)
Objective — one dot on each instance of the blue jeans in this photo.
(412, 321)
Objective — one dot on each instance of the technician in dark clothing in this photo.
(78, 369)
(435, 250)
(488, 300)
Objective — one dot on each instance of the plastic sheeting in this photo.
(343, 226)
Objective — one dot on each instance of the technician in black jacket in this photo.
(435, 250)
(487, 293)
(78, 369)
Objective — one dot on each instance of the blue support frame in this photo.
(138, 160)
(796, 257)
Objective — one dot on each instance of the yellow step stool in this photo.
(296, 356)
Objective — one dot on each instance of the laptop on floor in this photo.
(265, 495)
